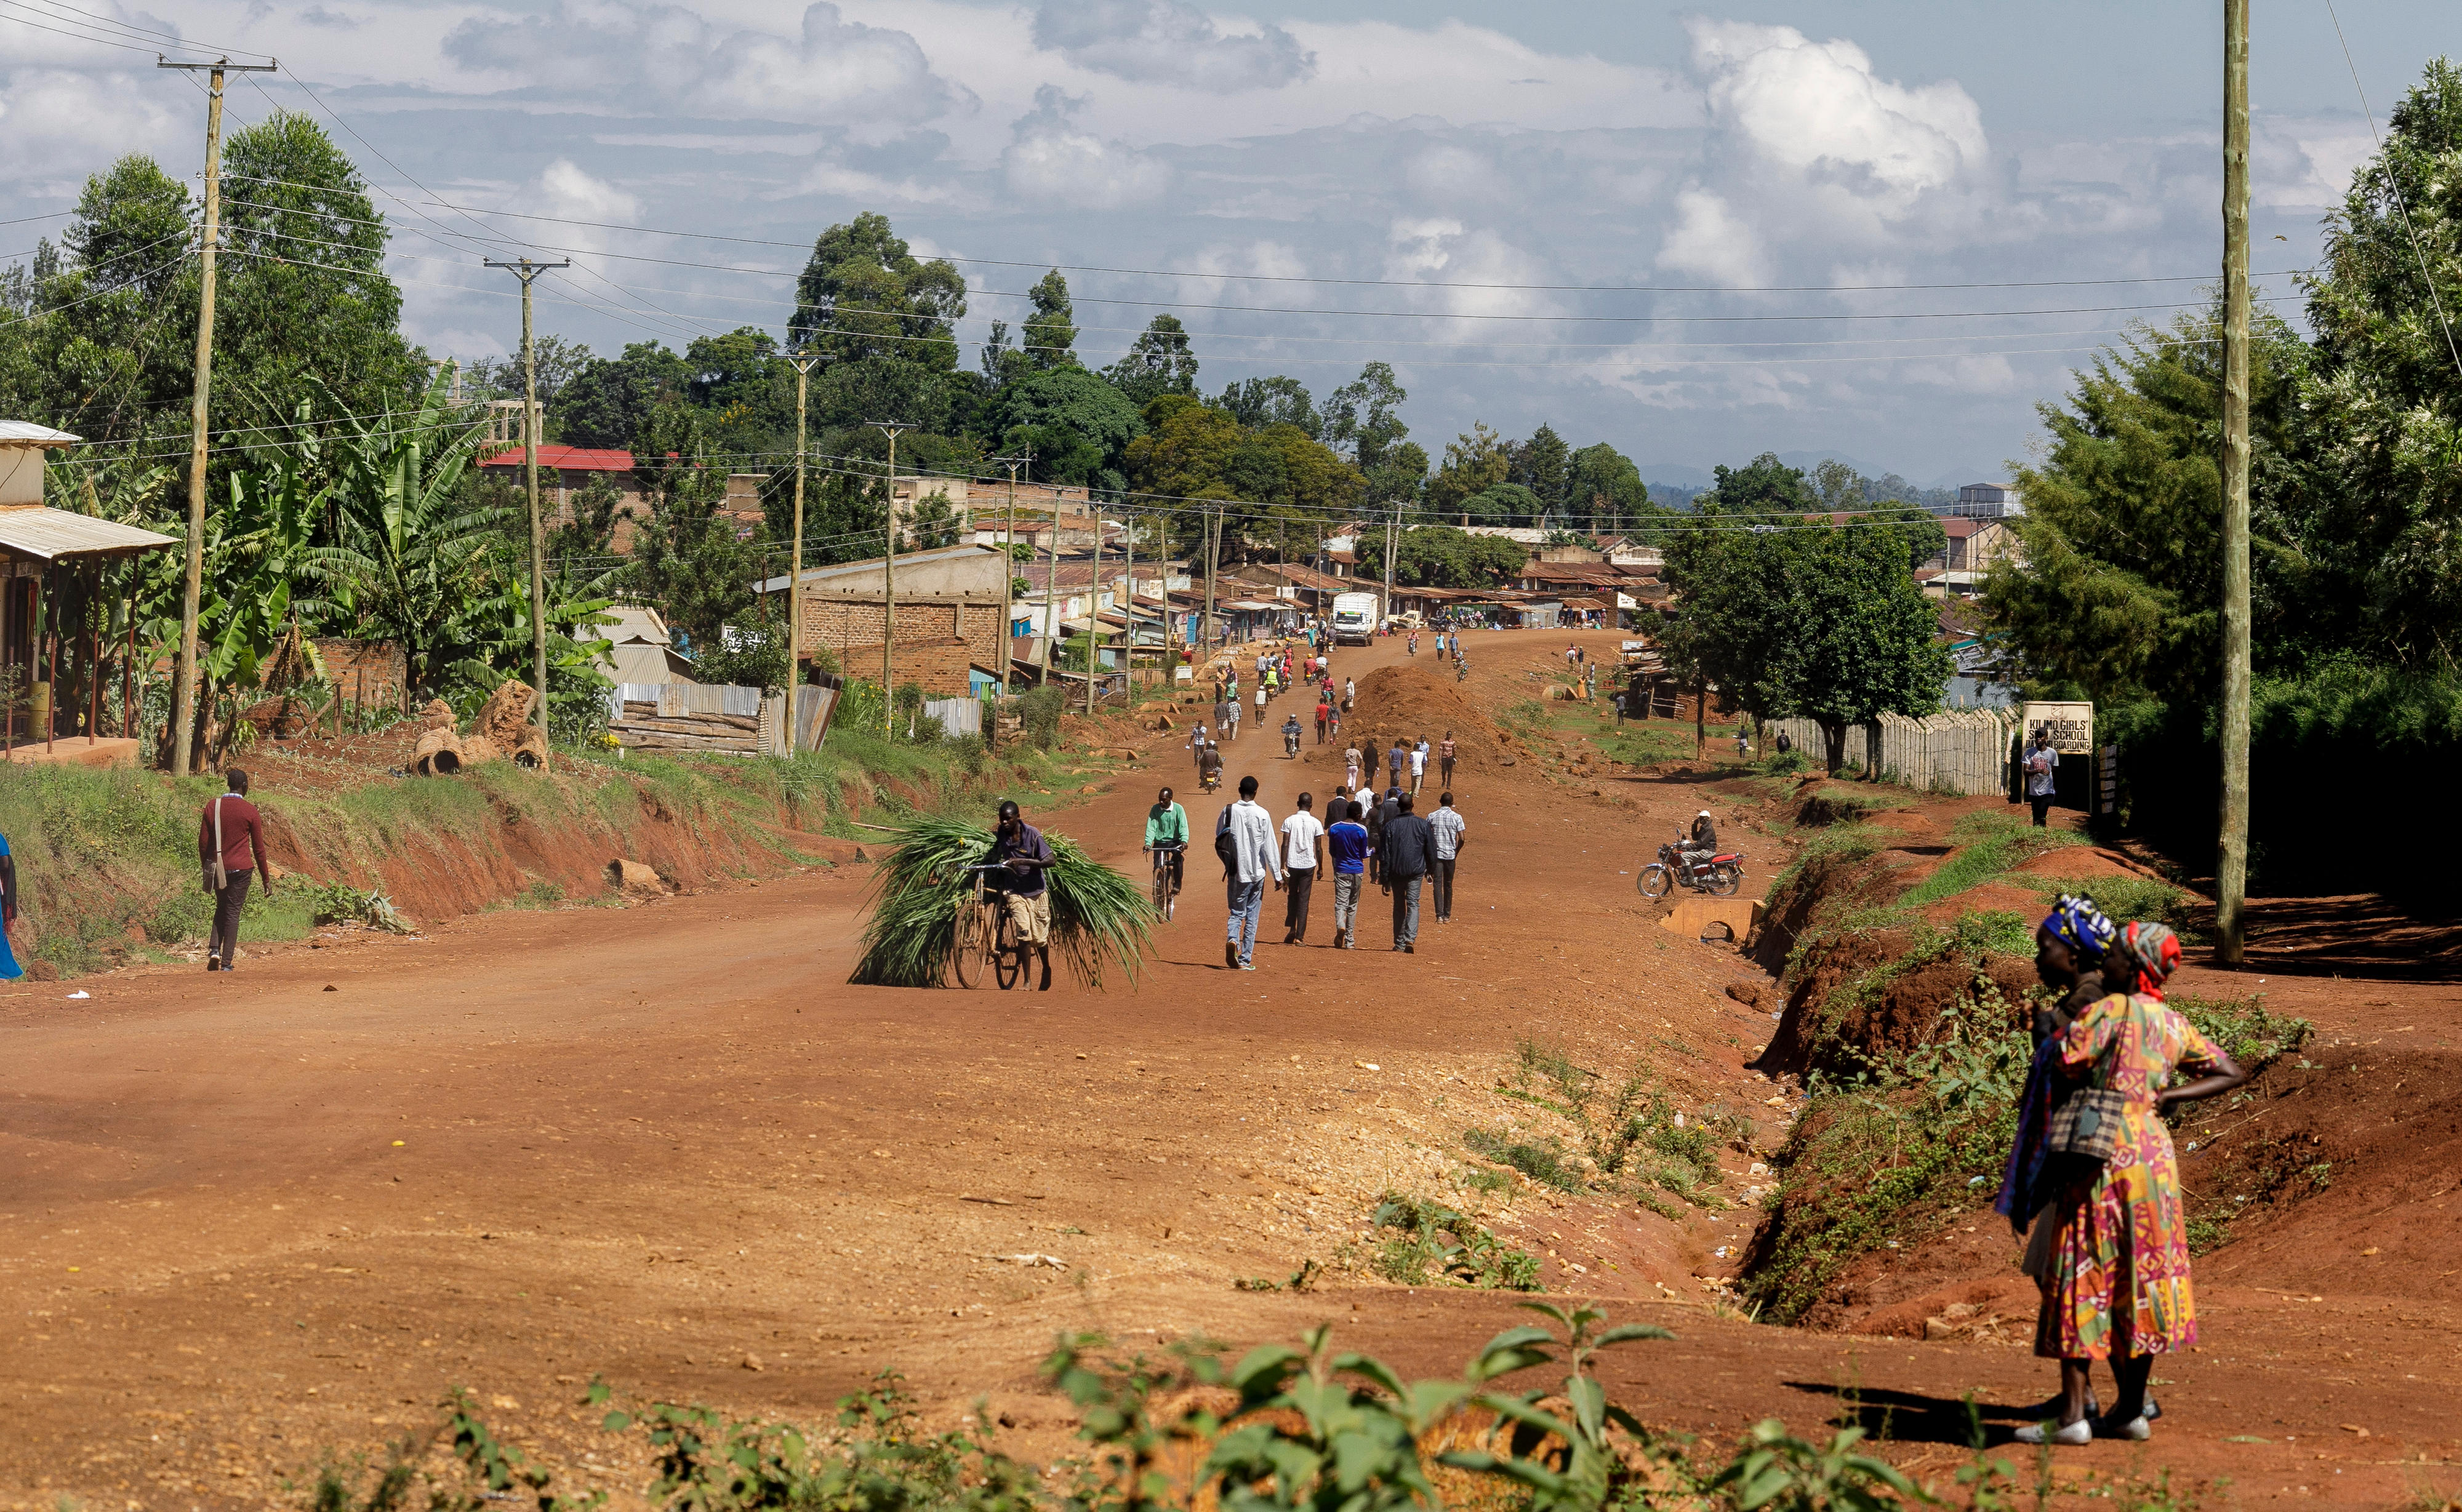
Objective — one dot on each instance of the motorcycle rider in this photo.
(1291, 735)
(1697, 846)
(1209, 767)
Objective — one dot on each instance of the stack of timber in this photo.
(698, 718)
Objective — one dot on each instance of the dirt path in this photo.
(247, 1219)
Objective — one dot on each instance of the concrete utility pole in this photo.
(889, 577)
(184, 693)
(1008, 562)
(805, 362)
(2231, 868)
(527, 270)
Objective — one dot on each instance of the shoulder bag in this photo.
(2087, 1124)
(216, 876)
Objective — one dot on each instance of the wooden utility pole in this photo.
(1050, 604)
(1094, 602)
(805, 362)
(1009, 563)
(888, 578)
(1386, 612)
(1128, 610)
(2231, 868)
(527, 270)
(1213, 557)
(184, 693)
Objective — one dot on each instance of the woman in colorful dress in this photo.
(2118, 1285)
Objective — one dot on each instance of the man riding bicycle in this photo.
(1023, 855)
(1167, 828)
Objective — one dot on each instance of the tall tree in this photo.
(1543, 465)
(1160, 361)
(864, 294)
(1362, 419)
(1475, 462)
(1050, 336)
(1097, 419)
(1258, 402)
(686, 558)
(609, 401)
(1605, 488)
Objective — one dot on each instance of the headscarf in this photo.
(2077, 924)
(2156, 950)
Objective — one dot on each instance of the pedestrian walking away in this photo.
(1379, 810)
(1245, 840)
(1408, 846)
(230, 843)
(1446, 826)
(1303, 856)
(2041, 762)
(9, 970)
(1351, 768)
(1393, 760)
(1345, 846)
(1419, 764)
(1445, 761)
(1023, 855)
(1261, 705)
(1324, 713)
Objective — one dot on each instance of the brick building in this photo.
(949, 635)
(368, 673)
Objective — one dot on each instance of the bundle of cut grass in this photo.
(1099, 917)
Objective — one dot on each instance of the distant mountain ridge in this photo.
(1682, 481)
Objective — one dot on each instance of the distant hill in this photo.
(1677, 484)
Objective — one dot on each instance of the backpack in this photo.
(1226, 845)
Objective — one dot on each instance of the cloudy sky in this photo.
(1695, 233)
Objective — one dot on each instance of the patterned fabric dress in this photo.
(2120, 1251)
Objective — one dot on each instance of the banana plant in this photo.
(1589, 1471)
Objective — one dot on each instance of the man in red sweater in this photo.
(230, 843)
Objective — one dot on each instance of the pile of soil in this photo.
(1830, 1025)
(1410, 703)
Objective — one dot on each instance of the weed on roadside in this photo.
(2244, 1028)
(1434, 1243)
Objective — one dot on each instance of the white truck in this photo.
(1354, 619)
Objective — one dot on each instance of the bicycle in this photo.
(986, 935)
(1165, 895)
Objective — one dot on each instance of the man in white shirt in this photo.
(1251, 860)
(1447, 825)
(1419, 764)
(1302, 855)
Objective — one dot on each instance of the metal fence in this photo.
(957, 716)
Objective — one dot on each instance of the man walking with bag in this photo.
(230, 843)
(1245, 840)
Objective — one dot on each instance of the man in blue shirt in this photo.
(1023, 855)
(1346, 839)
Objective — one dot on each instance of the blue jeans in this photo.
(1247, 901)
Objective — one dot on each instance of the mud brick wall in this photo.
(366, 672)
(937, 638)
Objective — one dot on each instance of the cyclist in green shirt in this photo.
(1167, 825)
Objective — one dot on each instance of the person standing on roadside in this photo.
(1349, 694)
(2041, 762)
(9, 970)
(1302, 855)
(231, 843)
(1445, 828)
(1346, 840)
(1445, 761)
(1408, 845)
(1243, 837)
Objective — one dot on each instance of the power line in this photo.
(2434, 299)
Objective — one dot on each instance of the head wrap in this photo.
(2077, 924)
(2157, 953)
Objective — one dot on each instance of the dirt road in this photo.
(244, 1219)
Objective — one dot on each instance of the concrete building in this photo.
(948, 635)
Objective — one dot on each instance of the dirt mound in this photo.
(1410, 703)
(1864, 1000)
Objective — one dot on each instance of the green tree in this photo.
(1476, 460)
(1049, 339)
(1543, 465)
(1398, 478)
(1096, 420)
(1503, 504)
(1603, 488)
(686, 558)
(2118, 588)
(745, 387)
(1160, 361)
(1446, 556)
(609, 402)
(1795, 616)
(1258, 402)
(864, 294)
(1363, 419)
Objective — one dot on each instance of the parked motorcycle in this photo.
(1719, 875)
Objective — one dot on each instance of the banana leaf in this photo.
(1100, 919)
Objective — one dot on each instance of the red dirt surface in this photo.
(246, 1219)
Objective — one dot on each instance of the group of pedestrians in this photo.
(1364, 840)
(1405, 764)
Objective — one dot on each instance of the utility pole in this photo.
(1213, 556)
(184, 693)
(805, 362)
(1387, 611)
(2231, 868)
(1094, 603)
(1008, 562)
(1128, 610)
(1051, 605)
(889, 577)
(527, 270)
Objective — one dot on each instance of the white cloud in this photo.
(1051, 160)
(1709, 242)
(647, 58)
(1169, 42)
(61, 123)
(1818, 109)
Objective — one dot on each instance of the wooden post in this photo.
(128, 681)
(46, 638)
(94, 665)
(2231, 868)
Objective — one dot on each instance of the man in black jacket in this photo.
(1409, 847)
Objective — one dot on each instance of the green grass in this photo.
(2128, 898)
(1990, 845)
(2243, 1028)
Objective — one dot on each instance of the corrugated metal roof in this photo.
(26, 432)
(54, 533)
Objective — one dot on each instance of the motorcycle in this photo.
(1719, 875)
(1290, 741)
(1211, 780)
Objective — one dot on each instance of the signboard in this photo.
(2072, 725)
